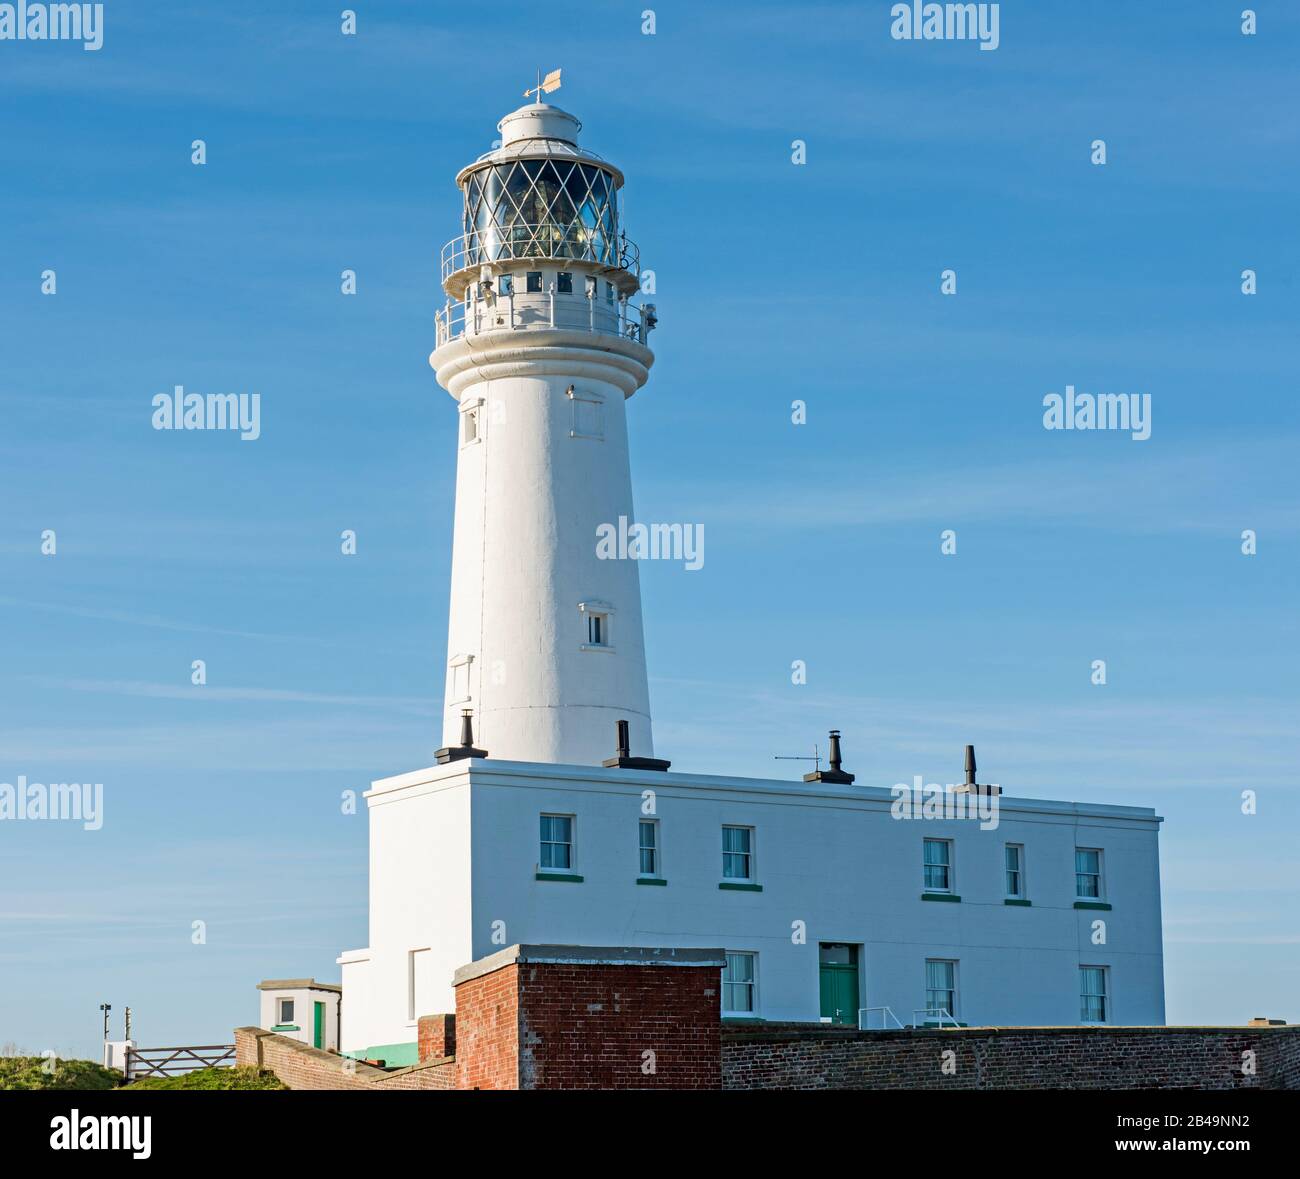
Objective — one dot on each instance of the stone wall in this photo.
(584, 1017)
(814, 1057)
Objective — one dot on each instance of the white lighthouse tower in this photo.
(540, 345)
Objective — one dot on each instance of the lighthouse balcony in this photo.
(549, 310)
(616, 256)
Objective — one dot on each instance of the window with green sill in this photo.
(556, 854)
(737, 854)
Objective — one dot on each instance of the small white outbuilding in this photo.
(302, 1009)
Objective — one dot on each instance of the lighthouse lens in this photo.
(540, 209)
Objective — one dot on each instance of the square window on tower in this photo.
(598, 619)
(458, 679)
(534, 282)
(564, 282)
(471, 422)
(507, 284)
(588, 414)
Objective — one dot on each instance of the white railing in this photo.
(544, 310)
(886, 1014)
(547, 240)
(932, 1015)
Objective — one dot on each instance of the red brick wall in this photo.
(437, 1037)
(589, 1026)
(790, 1057)
(487, 1031)
(570, 1026)
(302, 1067)
(428, 1074)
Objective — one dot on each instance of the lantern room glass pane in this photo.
(541, 208)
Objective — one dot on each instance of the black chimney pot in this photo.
(466, 747)
(623, 759)
(835, 774)
(971, 786)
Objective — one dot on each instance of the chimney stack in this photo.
(971, 786)
(623, 759)
(466, 748)
(835, 775)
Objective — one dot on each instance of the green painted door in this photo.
(318, 1033)
(838, 967)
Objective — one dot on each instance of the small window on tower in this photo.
(597, 618)
(471, 422)
(564, 282)
(534, 282)
(609, 292)
(458, 670)
(507, 284)
(588, 414)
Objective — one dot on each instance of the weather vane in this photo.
(544, 85)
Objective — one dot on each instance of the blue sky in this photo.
(775, 282)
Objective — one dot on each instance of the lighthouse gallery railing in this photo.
(523, 312)
(549, 240)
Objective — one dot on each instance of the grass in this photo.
(244, 1077)
(36, 1072)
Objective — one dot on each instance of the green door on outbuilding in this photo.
(318, 1033)
(838, 970)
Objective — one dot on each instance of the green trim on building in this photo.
(651, 880)
(741, 887)
(1017, 901)
(941, 896)
(1091, 905)
(286, 1027)
(568, 877)
(393, 1055)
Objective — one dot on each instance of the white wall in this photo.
(835, 859)
(529, 499)
(419, 889)
(830, 857)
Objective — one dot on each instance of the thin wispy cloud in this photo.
(417, 706)
(1188, 491)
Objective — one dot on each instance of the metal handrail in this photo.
(496, 152)
(935, 1014)
(864, 1014)
(531, 312)
(573, 242)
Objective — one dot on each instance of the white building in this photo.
(302, 1009)
(830, 905)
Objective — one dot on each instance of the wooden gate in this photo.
(173, 1062)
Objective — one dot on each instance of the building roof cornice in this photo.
(516, 774)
